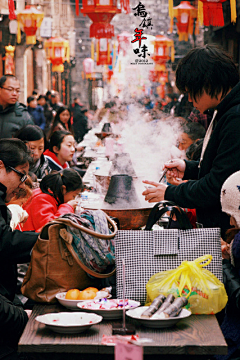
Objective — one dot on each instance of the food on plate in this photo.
(88, 294)
(169, 300)
(176, 307)
(72, 294)
(157, 302)
(105, 304)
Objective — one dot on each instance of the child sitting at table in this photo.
(55, 197)
(230, 202)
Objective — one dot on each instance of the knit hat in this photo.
(230, 196)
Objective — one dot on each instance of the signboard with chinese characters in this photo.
(46, 27)
(141, 50)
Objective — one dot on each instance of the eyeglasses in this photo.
(23, 176)
(11, 90)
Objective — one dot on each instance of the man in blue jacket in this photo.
(211, 79)
(13, 115)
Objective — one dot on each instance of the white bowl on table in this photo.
(72, 304)
(69, 322)
(154, 321)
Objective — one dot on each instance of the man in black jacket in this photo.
(13, 115)
(211, 79)
(80, 120)
(15, 246)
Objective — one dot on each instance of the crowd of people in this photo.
(39, 179)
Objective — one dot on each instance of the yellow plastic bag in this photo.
(205, 293)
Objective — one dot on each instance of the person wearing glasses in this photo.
(15, 246)
(13, 115)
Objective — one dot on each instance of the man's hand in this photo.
(176, 169)
(154, 193)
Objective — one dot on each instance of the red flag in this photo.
(11, 7)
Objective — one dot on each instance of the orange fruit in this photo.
(87, 294)
(72, 294)
(93, 289)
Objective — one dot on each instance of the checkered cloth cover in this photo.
(149, 252)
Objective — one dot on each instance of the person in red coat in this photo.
(55, 197)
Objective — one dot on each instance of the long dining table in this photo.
(196, 337)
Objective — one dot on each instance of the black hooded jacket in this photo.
(15, 248)
(12, 322)
(13, 118)
(221, 159)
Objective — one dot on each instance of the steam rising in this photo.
(149, 143)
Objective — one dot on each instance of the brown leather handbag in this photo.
(55, 266)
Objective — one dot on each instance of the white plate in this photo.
(72, 304)
(69, 323)
(110, 314)
(156, 322)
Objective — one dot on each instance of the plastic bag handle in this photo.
(164, 206)
(181, 274)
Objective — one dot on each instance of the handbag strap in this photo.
(68, 242)
(89, 231)
(162, 208)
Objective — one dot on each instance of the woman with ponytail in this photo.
(55, 197)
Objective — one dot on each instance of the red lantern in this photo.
(103, 52)
(101, 30)
(211, 13)
(124, 42)
(153, 76)
(185, 14)
(163, 49)
(30, 19)
(161, 91)
(57, 51)
(101, 12)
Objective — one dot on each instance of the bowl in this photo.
(69, 323)
(72, 304)
(157, 322)
(108, 313)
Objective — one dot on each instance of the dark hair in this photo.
(48, 93)
(194, 130)
(34, 92)
(52, 183)
(41, 97)
(230, 234)
(110, 104)
(30, 98)
(29, 133)
(194, 151)
(13, 152)
(57, 119)
(208, 69)
(4, 78)
(57, 138)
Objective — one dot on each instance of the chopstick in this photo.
(163, 174)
